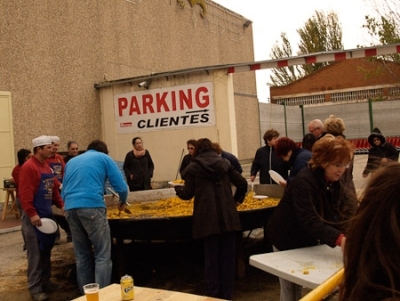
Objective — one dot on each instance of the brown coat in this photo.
(208, 179)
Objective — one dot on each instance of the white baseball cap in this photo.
(54, 139)
(41, 140)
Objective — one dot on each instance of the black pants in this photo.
(219, 252)
(62, 221)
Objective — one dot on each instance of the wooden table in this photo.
(13, 206)
(113, 293)
(308, 267)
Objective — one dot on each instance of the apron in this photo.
(42, 201)
(57, 170)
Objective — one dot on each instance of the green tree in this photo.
(321, 32)
(384, 29)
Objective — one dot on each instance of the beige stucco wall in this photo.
(54, 51)
(166, 146)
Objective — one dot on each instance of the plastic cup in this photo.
(91, 291)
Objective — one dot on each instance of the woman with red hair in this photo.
(297, 157)
(316, 206)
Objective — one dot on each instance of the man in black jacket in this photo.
(266, 159)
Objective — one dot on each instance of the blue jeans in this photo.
(89, 227)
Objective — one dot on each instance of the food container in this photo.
(172, 228)
(179, 227)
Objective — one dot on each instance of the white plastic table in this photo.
(308, 267)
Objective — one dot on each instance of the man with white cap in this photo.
(57, 164)
(37, 194)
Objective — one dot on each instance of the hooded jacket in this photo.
(208, 179)
(377, 152)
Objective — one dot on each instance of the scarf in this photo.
(140, 153)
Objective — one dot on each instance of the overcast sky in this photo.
(271, 18)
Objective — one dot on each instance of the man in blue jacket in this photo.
(85, 210)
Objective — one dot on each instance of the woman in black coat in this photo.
(215, 218)
(138, 167)
(316, 206)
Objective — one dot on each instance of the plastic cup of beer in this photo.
(91, 291)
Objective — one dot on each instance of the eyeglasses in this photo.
(340, 165)
(314, 129)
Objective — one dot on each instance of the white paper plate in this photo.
(276, 177)
(176, 184)
(260, 197)
(48, 226)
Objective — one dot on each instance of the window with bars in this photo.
(302, 100)
(394, 91)
(356, 95)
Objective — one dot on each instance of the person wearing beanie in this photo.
(380, 152)
(38, 193)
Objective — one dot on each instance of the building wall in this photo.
(346, 75)
(53, 52)
(167, 144)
